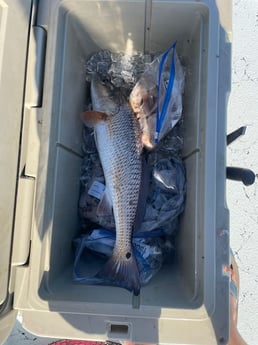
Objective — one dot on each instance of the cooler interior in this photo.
(83, 28)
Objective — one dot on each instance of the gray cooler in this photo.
(43, 47)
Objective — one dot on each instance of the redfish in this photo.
(118, 140)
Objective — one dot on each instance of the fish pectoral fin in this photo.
(91, 117)
(105, 205)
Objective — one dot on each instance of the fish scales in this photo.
(122, 164)
(118, 140)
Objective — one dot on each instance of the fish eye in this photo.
(128, 255)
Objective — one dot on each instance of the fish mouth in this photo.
(106, 97)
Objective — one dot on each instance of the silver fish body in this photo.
(118, 140)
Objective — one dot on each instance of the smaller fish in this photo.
(143, 100)
(156, 99)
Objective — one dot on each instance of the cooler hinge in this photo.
(33, 102)
(28, 170)
(23, 221)
(30, 145)
(35, 67)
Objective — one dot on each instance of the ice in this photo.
(122, 70)
(167, 184)
(99, 62)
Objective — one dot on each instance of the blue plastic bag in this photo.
(156, 98)
(92, 250)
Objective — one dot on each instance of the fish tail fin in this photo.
(122, 271)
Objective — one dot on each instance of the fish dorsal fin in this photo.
(91, 117)
(105, 205)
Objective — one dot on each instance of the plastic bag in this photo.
(152, 242)
(166, 196)
(156, 98)
(165, 199)
(150, 253)
(92, 185)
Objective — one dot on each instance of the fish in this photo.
(118, 140)
(156, 98)
(143, 100)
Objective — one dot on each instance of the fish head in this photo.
(143, 99)
(105, 97)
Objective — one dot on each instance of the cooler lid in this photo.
(15, 16)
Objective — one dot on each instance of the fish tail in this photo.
(122, 271)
